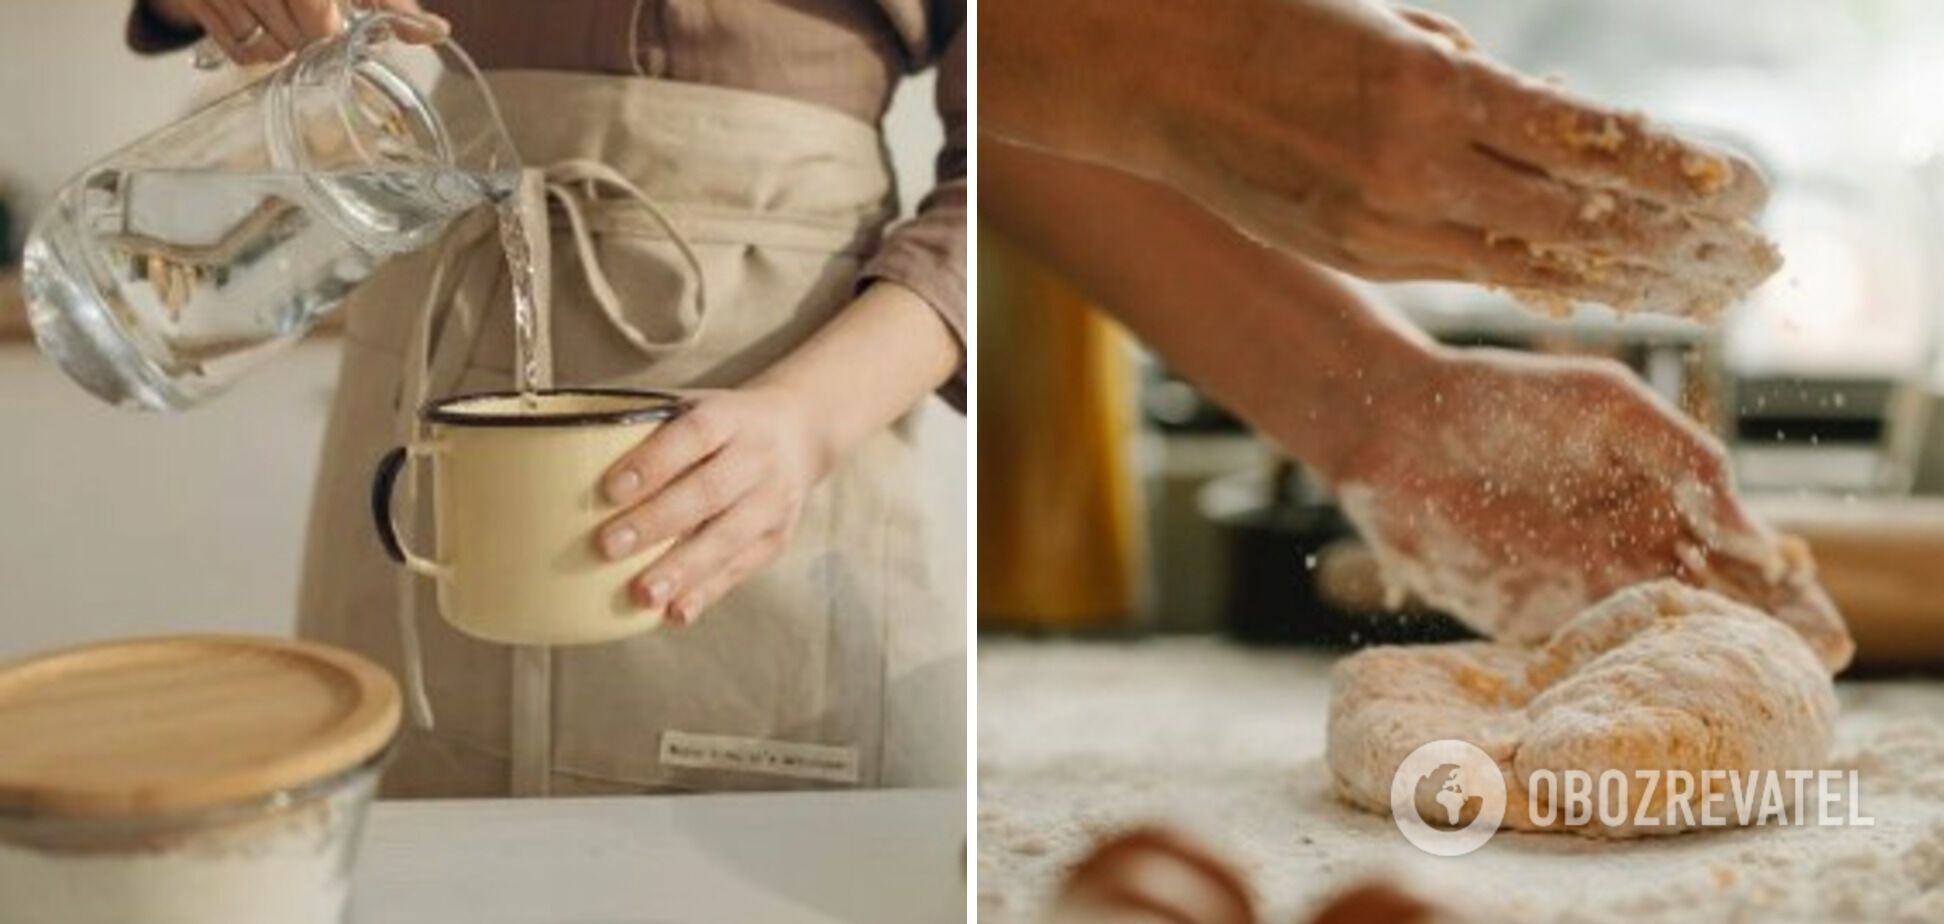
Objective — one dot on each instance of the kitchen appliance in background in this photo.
(1298, 573)
(1831, 363)
(1187, 441)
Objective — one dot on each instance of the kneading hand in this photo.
(1514, 490)
(725, 480)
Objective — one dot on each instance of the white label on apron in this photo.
(758, 755)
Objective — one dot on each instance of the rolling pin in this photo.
(1882, 561)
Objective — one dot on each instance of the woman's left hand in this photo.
(725, 482)
(1379, 143)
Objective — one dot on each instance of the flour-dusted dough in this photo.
(1659, 676)
(1446, 569)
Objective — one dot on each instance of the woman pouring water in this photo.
(719, 206)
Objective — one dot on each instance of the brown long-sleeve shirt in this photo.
(845, 54)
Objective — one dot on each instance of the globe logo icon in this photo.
(1448, 797)
(1444, 787)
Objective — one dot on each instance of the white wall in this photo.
(114, 523)
(70, 91)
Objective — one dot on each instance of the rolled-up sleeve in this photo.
(926, 253)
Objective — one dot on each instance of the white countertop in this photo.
(890, 856)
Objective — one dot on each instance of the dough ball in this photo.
(1657, 677)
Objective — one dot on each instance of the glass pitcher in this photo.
(164, 273)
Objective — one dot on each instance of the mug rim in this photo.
(442, 411)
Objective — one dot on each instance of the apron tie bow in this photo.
(591, 176)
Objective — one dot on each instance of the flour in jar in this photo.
(291, 866)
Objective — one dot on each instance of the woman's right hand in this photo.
(267, 31)
(1514, 490)
(1380, 143)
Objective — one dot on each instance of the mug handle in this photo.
(382, 485)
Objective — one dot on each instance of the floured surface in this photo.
(1076, 740)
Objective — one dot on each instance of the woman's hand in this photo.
(1379, 143)
(1550, 481)
(267, 31)
(724, 482)
(1513, 490)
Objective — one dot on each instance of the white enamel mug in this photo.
(516, 501)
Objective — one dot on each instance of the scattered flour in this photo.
(1080, 740)
(1448, 571)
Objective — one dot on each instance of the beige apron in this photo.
(784, 682)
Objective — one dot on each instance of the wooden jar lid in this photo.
(188, 722)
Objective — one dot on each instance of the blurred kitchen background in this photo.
(115, 523)
(1121, 503)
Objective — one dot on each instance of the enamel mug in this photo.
(516, 501)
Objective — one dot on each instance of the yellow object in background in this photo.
(1059, 511)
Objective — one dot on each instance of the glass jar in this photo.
(188, 780)
(286, 858)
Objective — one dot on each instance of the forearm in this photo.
(1282, 343)
(1158, 88)
(868, 365)
(1055, 75)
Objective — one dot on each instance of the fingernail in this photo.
(656, 592)
(619, 541)
(622, 486)
(688, 611)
